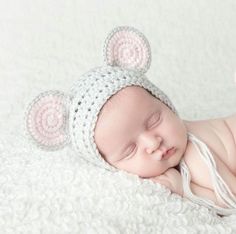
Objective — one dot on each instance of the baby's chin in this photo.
(175, 159)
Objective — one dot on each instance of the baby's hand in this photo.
(171, 179)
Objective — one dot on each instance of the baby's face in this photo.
(133, 131)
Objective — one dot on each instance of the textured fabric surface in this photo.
(90, 92)
(47, 45)
(58, 193)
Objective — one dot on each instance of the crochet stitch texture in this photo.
(55, 119)
(90, 94)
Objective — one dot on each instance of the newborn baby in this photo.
(137, 133)
(117, 119)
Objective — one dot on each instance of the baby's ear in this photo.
(47, 120)
(128, 48)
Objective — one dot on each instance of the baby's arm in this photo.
(205, 193)
(171, 179)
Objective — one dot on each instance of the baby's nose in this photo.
(152, 147)
(151, 142)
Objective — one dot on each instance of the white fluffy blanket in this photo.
(47, 45)
(57, 193)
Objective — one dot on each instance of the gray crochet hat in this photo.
(55, 119)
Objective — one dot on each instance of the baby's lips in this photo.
(161, 154)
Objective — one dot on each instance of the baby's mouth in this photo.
(162, 153)
(168, 153)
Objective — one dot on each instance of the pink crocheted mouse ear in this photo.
(127, 47)
(47, 120)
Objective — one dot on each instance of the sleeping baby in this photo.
(117, 119)
(149, 140)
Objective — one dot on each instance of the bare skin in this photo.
(134, 130)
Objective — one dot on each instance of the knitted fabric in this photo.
(90, 93)
(55, 119)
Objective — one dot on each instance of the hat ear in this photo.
(128, 48)
(47, 120)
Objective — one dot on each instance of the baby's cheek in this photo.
(169, 127)
(177, 127)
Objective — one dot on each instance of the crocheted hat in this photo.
(55, 119)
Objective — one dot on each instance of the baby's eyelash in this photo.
(156, 119)
(129, 153)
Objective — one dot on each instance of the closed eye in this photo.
(129, 154)
(154, 120)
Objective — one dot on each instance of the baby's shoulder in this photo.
(204, 131)
(216, 135)
(213, 132)
(205, 127)
(230, 122)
